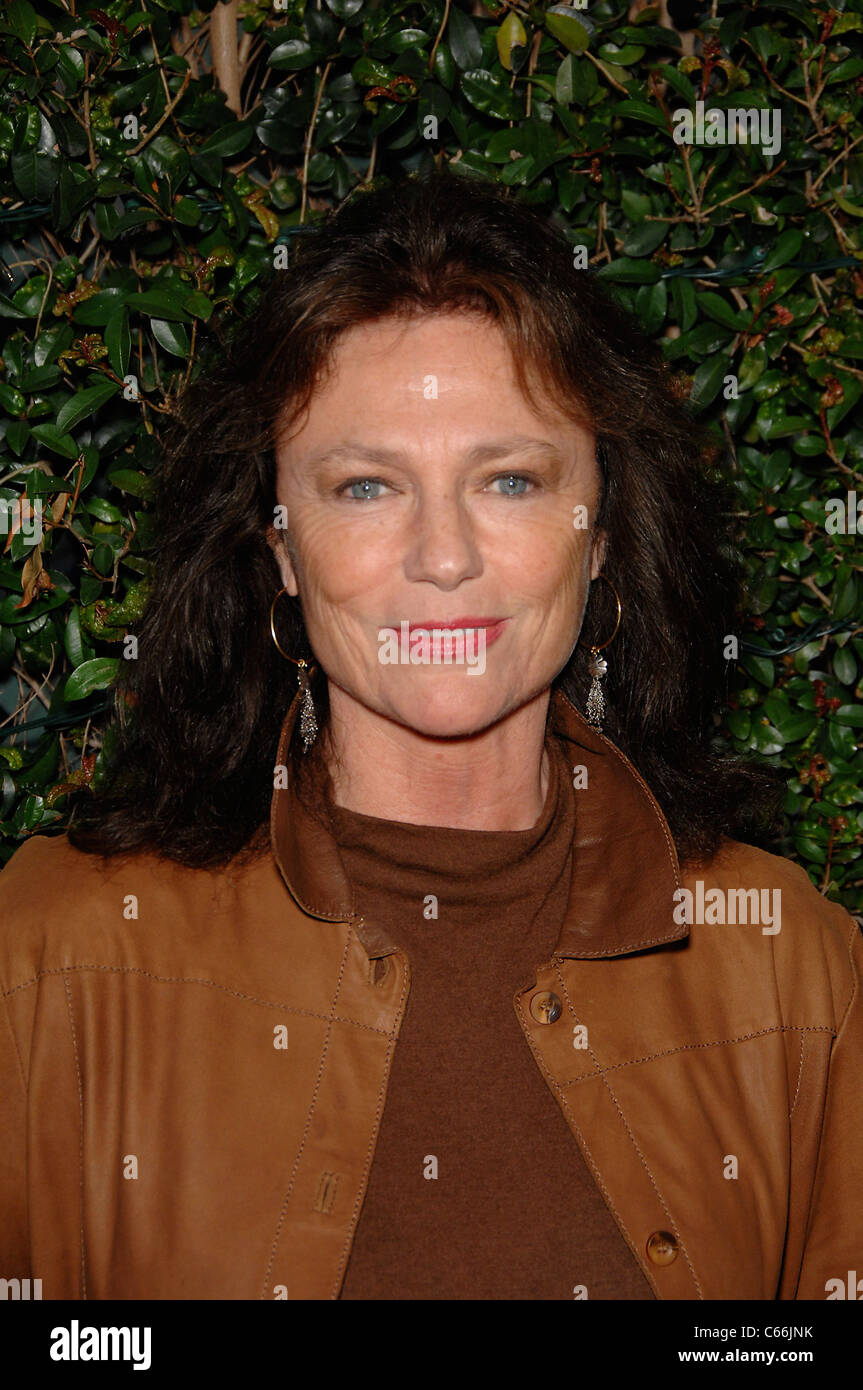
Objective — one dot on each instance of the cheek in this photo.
(338, 561)
(555, 571)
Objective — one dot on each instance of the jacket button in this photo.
(662, 1248)
(546, 1007)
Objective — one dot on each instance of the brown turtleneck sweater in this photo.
(478, 1190)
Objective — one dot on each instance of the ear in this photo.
(278, 543)
(598, 550)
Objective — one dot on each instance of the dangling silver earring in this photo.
(308, 718)
(598, 667)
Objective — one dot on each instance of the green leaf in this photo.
(70, 66)
(683, 303)
(57, 442)
(578, 77)
(643, 239)
(8, 310)
(845, 666)
(113, 226)
(718, 309)
(78, 649)
(345, 9)
(739, 721)
(444, 65)
(808, 849)
(198, 304)
(560, 21)
(11, 399)
(104, 511)
(35, 174)
(464, 40)
(171, 336)
(96, 311)
(752, 367)
(21, 19)
(640, 111)
(97, 674)
(850, 714)
(786, 249)
(74, 190)
(230, 139)
(17, 436)
(760, 668)
(29, 814)
(793, 724)
(164, 159)
(321, 168)
(489, 94)
(630, 271)
(622, 57)
(845, 597)
(161, 305)
(708, 380)
(853, 209)
(293, 55)
(511, 34)
(844, 71)
(129, 480)
(118, 340)
(84, 403)
(651, 305)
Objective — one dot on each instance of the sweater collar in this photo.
(624, 872)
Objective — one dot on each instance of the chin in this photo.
(449, 708)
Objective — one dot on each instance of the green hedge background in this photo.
(154, 159)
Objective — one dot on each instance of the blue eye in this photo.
(515, 484)
(365, 486)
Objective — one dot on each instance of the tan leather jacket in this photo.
(194, 1063)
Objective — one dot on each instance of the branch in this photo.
(225, 51)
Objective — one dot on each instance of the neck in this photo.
(493, 780)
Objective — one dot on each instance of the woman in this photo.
(378, 969)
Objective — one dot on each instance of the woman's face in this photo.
(423, 489)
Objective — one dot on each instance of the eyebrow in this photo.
(354, 451)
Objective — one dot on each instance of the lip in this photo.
(453, 624)
(491, 627)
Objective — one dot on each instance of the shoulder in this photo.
(766, 911)
(61, 907)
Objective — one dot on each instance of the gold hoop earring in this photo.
(308, 718)
(598, 667)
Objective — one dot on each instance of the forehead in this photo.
(441, 366)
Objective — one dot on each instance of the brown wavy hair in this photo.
(198, 714)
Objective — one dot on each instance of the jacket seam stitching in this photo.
(371, 1144)
(852, 936)
(19, 1059)
(191, 980)
(625, 950)
(799, 1074)
(637, 1149)
(693, 1047)
(280, 1224)
(79, 1081)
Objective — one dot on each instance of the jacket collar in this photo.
(624, 870)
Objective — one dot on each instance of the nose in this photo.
(443, 549)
